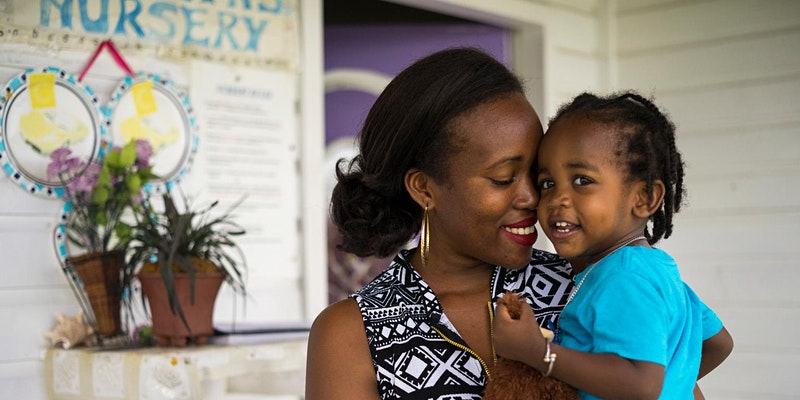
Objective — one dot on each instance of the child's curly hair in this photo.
(646, 146)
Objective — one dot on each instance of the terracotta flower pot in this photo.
(168, 327)
(99, 273)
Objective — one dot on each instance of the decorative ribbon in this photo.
(107, 44)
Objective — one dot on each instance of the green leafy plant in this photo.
(100, 193)
(190, 241)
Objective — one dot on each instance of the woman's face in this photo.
(484, 212)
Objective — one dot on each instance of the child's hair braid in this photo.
(646, 145)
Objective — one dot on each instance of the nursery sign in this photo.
(263, 28)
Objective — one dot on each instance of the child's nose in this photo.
(558, 198)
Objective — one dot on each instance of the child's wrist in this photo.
(536, 348)
(549, 359)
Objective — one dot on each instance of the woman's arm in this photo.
(339, 365)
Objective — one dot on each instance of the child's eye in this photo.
(546, 184)
(582, 181)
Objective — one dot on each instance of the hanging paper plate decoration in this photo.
(41, 110)
(152, 108)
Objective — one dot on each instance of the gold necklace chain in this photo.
(578, 286)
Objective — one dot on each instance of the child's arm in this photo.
(715, 350)
(603, 375)
(698, 394)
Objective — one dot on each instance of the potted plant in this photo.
(98, 195)
(185, 256)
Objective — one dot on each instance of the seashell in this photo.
(69, 331)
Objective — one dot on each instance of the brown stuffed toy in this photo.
(513, 380)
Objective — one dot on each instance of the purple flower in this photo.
(60, 153)
(62, 166)
(143, 153)
(83, 185)
(93, 170)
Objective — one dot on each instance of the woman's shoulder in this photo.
(546, 262)
(338, 317)
(542, 263)
(339, 364)
(338, 324)
(399, 275)
(545, 283)
(545, 256)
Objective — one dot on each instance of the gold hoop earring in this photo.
(424, 238)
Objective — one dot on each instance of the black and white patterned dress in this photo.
(417, 352)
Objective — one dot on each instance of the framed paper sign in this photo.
(42, 110)
(152, 108)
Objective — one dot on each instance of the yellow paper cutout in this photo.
(48, 130)
(42, 90)
(143, 98)
(159, 133)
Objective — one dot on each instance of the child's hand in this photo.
(517, 339)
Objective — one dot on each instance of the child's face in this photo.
(586, 205)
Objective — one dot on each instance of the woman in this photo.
(448, 149)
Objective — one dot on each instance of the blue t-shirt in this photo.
(633, 303)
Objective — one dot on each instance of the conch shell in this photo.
(69, 331)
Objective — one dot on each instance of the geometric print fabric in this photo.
(412, 359)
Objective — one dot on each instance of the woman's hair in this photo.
(410, 126)
(645, 146)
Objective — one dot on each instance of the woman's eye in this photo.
(502, 182)
(582, 181)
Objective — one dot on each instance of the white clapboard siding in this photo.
(728, 72)
(29, 257)
(23, 380)
(733, 105)
(654, 26)
(574, 41)
(762, 143)
(747, 59)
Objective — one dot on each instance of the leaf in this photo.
(100, 196)
(134, 184)
(112, 159)
(104, 177)
(123, 232)
(127, 155)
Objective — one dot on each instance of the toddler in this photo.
(607, 167)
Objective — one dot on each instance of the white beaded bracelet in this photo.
(549, 358)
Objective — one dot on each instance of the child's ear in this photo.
(647, 204)
(417, 183)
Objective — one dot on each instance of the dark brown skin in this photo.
(339, 354)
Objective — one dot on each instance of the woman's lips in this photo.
(522, 232)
